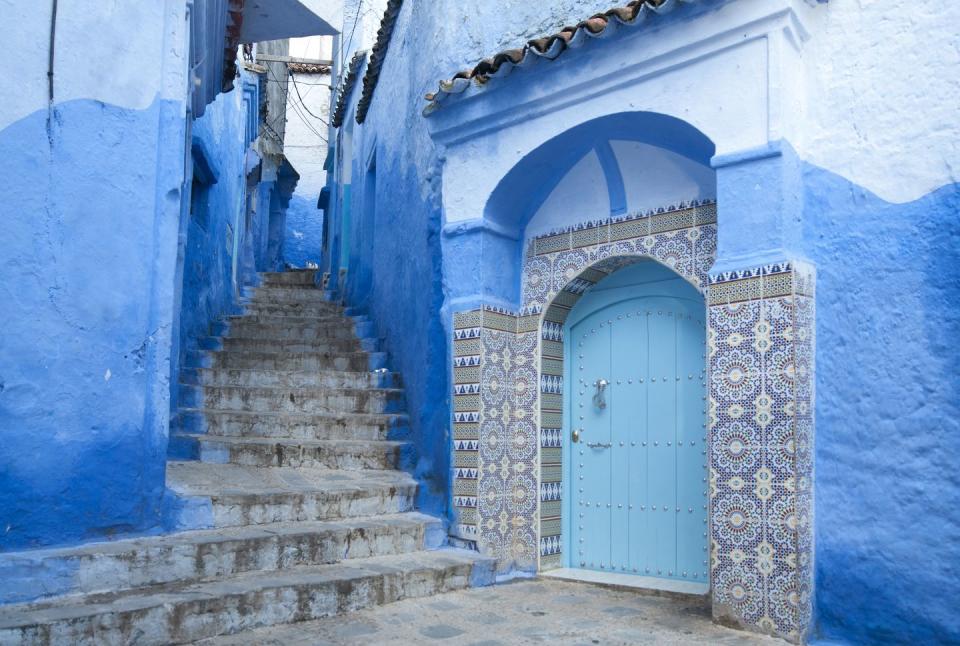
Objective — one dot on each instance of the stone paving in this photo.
(541, 611)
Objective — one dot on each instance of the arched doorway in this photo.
(635, 375)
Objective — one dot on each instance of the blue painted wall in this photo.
(90, 220)
(215, 237)
(304, 232)
(888, 412)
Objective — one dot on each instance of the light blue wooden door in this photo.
(638, 478)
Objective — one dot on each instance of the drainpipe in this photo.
(53, 38)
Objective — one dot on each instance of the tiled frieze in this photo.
(508, 409)
(761, 340)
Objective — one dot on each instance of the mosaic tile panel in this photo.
(508, 410)
(761, 338)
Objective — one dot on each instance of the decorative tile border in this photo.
(761, 346)
(508, 410)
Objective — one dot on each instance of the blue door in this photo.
(636, 417)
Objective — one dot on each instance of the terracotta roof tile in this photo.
(346, 87)
(308, 68)
(377, 56)
(551, 46)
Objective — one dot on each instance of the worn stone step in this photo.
(351, 455)
(294, 308)
(289, 379)
(341, 361)
(208, 554)
(229, 495)
(297, 277)
(176, 614)
(289, 294)
(294, 319)
(297, 346)
(283, 328)
(332, 426)
(293, 400)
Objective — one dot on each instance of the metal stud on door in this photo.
(638, 445)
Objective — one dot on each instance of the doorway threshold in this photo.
(630, 581)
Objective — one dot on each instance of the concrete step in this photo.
(297, 361)
(290, 320)
(294, 308)
(284, 329)
(176, 614)
(296, 278)
(203, 555)
(349, 455)
(374, 401)
(289, 379)
(334, 346)
(229, 495)
(289, 294)
(332, 426)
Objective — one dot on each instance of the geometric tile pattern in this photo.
(508, 410)
(761, 348)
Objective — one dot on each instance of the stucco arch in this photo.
(527, 184)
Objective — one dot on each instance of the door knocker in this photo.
(598, 399)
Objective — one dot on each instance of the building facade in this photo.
(501, 178)
(151, 186)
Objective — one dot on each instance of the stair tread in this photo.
(289, 416)
(270, 441)
(85, 605)
(219, 480)
(224, 534)
(306, 390)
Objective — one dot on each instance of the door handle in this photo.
(598, 399)
(575, 435)
(599, 445)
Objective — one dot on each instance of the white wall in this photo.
(306, 136)
(580, 196)
(126, 54)
(654, 177)
(883, 94)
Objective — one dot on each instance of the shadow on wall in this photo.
(888, 412)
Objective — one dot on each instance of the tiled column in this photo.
(495, 435)
(761, 338)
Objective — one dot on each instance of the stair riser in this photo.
(276, 379)
(291, 278)
(152, 565)
(237, 610)
(294, 455)
(226, 425)
(295, 346)
(373, 402)
(289, 294)
(357, 362)
(259, 509)
(251, 329)
(315, 311)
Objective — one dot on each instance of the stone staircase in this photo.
(286, 452)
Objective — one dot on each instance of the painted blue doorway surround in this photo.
(636, 383)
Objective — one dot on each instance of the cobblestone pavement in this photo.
(542, 611)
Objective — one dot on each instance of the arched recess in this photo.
(523, 189)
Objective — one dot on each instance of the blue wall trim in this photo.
(611, 171)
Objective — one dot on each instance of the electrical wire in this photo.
(303, 104)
